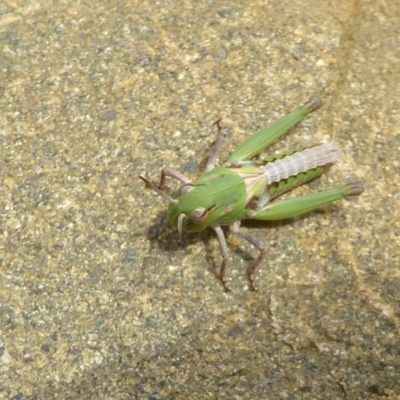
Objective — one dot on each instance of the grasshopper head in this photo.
(193, 210)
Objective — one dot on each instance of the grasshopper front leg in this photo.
(172, 173)
(160, 188)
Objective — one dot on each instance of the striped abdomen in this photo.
(322, 155)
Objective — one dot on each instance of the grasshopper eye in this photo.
(185, 189)
(198, 215)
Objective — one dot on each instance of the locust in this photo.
(245, 185)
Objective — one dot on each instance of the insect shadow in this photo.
(166, 236)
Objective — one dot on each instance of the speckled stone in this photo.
(97, 300)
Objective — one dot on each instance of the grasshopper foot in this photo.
(251, 277)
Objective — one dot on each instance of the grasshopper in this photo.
(244, 186)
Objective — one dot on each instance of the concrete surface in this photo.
(97, 299)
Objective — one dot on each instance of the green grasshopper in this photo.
(243, 187)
